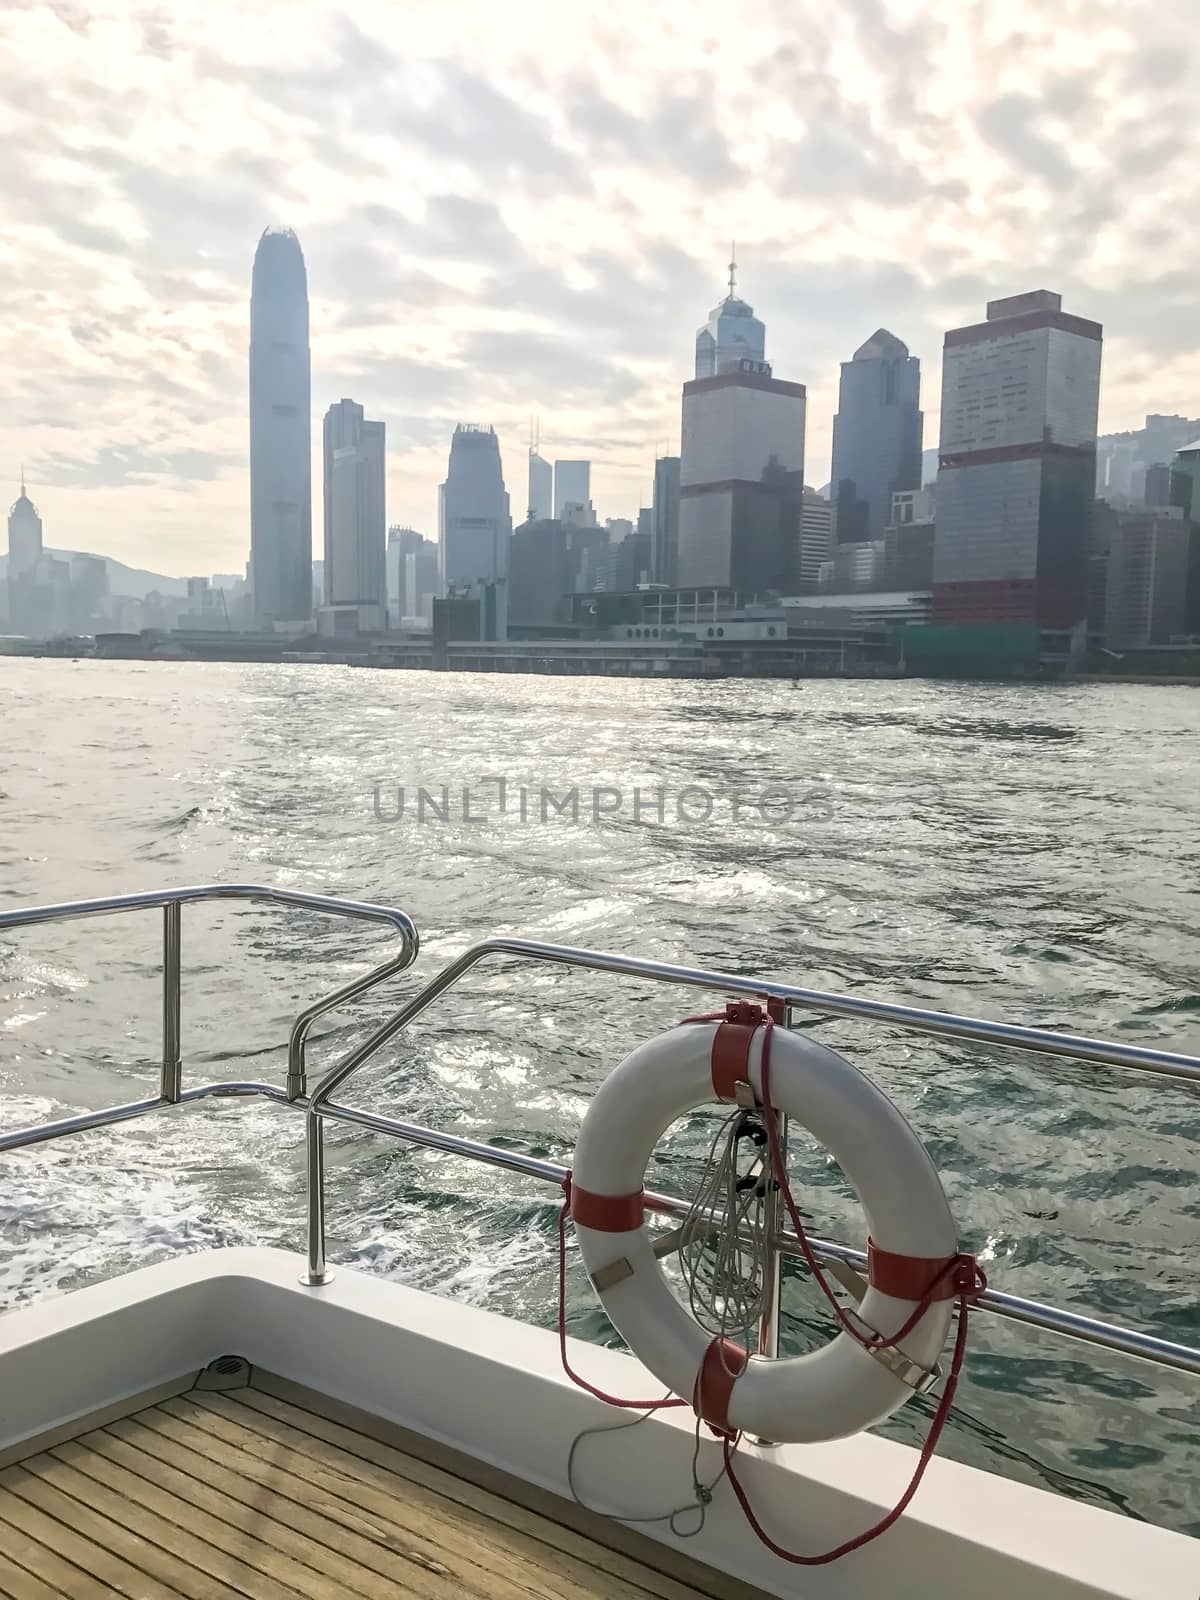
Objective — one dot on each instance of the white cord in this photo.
(725, 1276)
(725, 1273)
(703, 1492)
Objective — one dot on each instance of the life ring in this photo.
(843, 1387)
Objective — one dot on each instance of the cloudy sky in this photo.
(526, 208)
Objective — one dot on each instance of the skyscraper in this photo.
(1185, 480)
(572, 485)
(540, 574)
(24, 556)
(877, 435)
(280, 444)
(1158, 485)
(412, 575)
(816, 541)
(421, 582)
(474, 525)
(1146, 589)
(355, 521)
(541, 487)
(628, 562)
(741, 466)
(1185, 493)
(1017, 465)
(731, 335)
(399, 542)
(587, 556)
(403, 599)
(24, 535)
(908, 541)
(664, 535)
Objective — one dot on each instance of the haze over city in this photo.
(529, 211)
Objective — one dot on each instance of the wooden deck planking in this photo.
(502, 1535)
(18, 1584)
(363, 1499)
(244, 1495)
(620, 1552)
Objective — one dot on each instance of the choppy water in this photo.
(1024, 852)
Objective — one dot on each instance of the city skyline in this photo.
(547, 248)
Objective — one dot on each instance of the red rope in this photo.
(914, 1483)
(968, 1277)
(969, 1280)
(609, 1399)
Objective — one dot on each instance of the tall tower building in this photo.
(731, 335)
(742, 463)
(1146, 578)
(877, 435)
(24, 535)
(1185, 493)
(816, 541)
(540, 572)
(474, 524)
(280, 441)
(572, 485)
(540, 505)
(25, 610)
(664, 526)
(412, 575)
(355, 520)
(1017, 465)
(401, 542)
(541, 488)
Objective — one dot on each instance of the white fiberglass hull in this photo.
(494, 1389)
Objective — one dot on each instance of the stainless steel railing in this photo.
(320, 1106)
(172, 901)
(1097, 1052)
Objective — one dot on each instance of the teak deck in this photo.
(246, 1493)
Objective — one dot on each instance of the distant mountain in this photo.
(131, 581)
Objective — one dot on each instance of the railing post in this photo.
(172, 1066)
(314, 1132)
(297, 1081)
(772, 1221)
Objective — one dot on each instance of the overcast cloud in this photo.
(524, 209)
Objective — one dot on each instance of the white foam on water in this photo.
(87, 1207)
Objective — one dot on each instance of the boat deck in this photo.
(247, 1493)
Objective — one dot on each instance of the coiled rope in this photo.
(723, 1257)
(725, 1276)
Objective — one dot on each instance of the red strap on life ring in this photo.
(730, 1055)
(724, 1362)
(911, 1277)
(607, 1213)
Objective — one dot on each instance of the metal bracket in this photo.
(743, 1095)
(918, 1378)
(853, 1282)
(609, 1276)
(666, 1244)
(678, 1238)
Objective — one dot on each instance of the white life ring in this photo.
(841, 1388)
